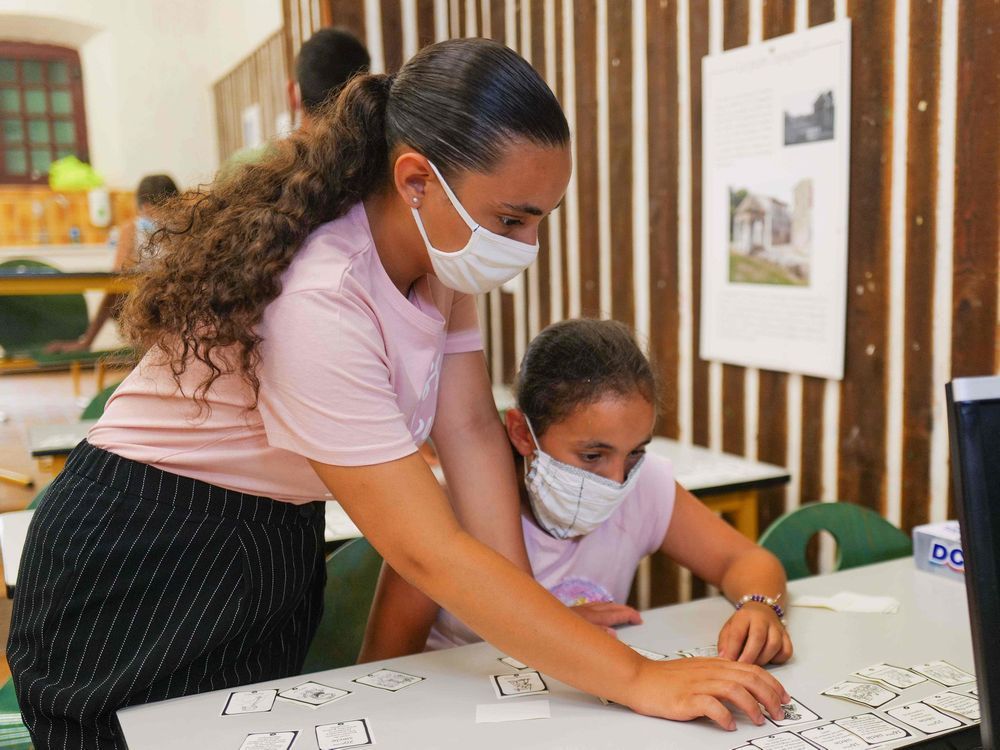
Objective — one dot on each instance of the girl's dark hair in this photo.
(577, 362)
(221, 250)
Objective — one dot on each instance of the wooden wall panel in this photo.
(585, 72)
(664, 287)
(698, 47)
(862, 417)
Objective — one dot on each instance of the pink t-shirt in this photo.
(348, 376)
(593, 568)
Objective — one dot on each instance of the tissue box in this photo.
(937, 548)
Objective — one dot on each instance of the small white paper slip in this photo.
(941, 671)
(712, 650)
(354, 733)
(388, 679)
(781, 741)
(510, 661)
(313, 694)
(921, 716)
(490, 713)
(654, 655)
(249, 702)
(865, 693)
(849, 601)
(514, 685)
(832, 737)
(269, 741)
(893, 676)
(872, 729)
(956, 703)
(795, 713)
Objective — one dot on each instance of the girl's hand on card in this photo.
(608, 614)
(755, 635)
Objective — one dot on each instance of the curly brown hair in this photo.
(221, 250)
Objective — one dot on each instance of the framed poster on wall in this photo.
(775, 187)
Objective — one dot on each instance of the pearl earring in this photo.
(414, 199)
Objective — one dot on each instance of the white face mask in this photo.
(568, 501)
(487, 260)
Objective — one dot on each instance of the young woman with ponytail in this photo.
(308, 322)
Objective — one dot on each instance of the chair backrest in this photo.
(30, 321)
(33, 505)
(862, 536)
(96, 406)
(352, 573)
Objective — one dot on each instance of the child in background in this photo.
(594, 504)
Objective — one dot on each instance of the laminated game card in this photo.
(832, 737)
(956, 703)
(514, 685)
(249, 702)
(388, 679)
(795, 713)
(313, 694)
(921, 716)
(947, 674)
(269, 741)
(865, 693)
(894, 677)
(872, 729)
(344, 734)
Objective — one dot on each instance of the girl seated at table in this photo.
(594, 503)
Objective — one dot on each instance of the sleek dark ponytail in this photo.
(222, 249)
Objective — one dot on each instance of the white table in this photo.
(439, 712)
(13, 531)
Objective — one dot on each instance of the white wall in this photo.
(148, 69)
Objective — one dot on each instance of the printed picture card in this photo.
(872, 729)
(388, 679)
(249, 702)
(344, 734)
(956, 703)
(832, 737)
(515, 685)
(313, 694)
(894, 677)
(795, 713)
(865, 693)
(269, 741)
(947, 674)
(921, 716)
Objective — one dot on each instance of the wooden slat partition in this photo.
(922, 298)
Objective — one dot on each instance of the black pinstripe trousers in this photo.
(138, 585)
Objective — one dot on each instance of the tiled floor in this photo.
(27, 400)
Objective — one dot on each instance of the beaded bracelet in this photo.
(767, 600)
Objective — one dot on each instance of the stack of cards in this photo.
(865, 693)
(891, 676)
(941, 671)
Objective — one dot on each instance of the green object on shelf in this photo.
(352, 573)
(69, 173)
(863, 536)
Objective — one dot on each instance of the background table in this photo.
(439, 712)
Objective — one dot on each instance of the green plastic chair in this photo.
(28, 323)
(13, 733)
(38, 498)
(352, 573)
(863, 536)
(96, 406)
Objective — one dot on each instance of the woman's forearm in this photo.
(756, 571)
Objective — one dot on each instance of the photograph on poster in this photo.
(770, 234)
(809, 117)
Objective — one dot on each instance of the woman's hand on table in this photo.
(685, 689)
(755, 635)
